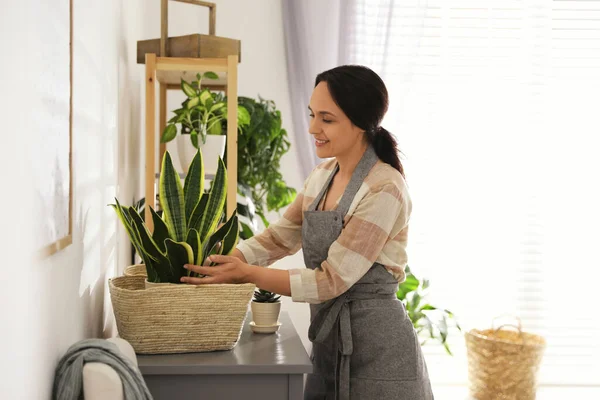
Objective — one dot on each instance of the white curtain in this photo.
(495, 106)
(313, 45)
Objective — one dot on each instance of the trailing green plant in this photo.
(202, 112)
(186, 233)
(264, 296)
(261, 144)
(429, 321)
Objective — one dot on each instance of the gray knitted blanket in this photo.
(68, 378)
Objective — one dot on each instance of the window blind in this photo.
(496, 108)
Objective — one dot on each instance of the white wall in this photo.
(61, 299)
(49, 305)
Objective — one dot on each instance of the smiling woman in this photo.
(354, 248)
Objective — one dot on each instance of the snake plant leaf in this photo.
(154, 259)
(193, 188)
(216, 249)
(161, 232)
(128, 224)
(216, 202)
(149, 247)
(172, 200)
(195, 221)
(179, 254)
(188, 89)
(193, 239)
(232, 236)
(219, 235)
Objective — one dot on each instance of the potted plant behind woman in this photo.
(200, 120)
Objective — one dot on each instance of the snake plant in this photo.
(187, 232)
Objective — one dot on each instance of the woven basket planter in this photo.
(179, 318)
(135, 270)
(503, 364)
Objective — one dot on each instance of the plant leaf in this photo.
(232, 237)
(188, 89)
(128, 224)
(169, 133)
(196, 218)
(193, 188)
(193, 240)
(217, 106)
(172, 201)
(161, 232)
(179, 254)
(210, 75)
(204, 96)
(243, 116)
(194, 139)
(222, 235)
(409, 285)
(216, 202)
(193, 102)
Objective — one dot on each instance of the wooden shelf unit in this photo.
(167, 73)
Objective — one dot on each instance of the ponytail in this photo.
(386, 147)
(363, 97)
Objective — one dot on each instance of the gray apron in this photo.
(364, 344)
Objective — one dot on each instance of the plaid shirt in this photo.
(375, 230)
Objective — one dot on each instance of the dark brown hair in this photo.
(363, 97)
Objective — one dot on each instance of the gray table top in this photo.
(255, 353)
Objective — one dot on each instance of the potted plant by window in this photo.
(176, 317)
(265, 312)
(200, 121)
(430, 322)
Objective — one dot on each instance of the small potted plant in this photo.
(200, 123)
(265, 311)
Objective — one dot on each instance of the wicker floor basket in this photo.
(179, 318)
(503, 363)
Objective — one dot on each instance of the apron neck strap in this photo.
(367, 161)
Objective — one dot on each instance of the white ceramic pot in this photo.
(265, 314)
(211, 151)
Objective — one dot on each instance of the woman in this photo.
(351, 221)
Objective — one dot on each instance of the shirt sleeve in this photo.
(282, 238)
(380, 216)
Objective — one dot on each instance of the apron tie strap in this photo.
(336, 315)
(346, 353)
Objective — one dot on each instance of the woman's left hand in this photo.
(230, 270)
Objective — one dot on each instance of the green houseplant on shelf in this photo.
(261, 144)
(430, 322)
(157, 313)
(265, 311)
(199, 122)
